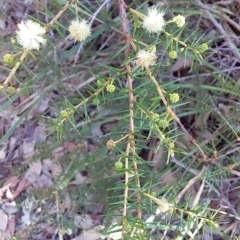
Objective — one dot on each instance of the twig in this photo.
(131, 142)
(190, 183)
(59, 14)
(171, 112)
(9, 78)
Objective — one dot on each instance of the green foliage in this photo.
(128, 88)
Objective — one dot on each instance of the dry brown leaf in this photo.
(12, 143)
(10, 207)
(91, 234)
(159, 159)
(201, 120)
(28, 148)
(226, 109)
(50, 229)
(69, 146)
(79, 179)
(169, 178)
(4, 220)
(51, 168)
(43, 182)
(3, 151)
(24, 184)
(39, 134)
(39, 108)
(83, 221)
(181, 64)
(10, 228)
(35, 168)
(11, 182)
(9, 195)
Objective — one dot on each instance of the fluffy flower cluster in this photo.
(145, 58)
(154, 21)
(79, 30)
(30, 35)
(179, 20)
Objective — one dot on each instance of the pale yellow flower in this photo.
(79, 30)
(145, 58)
(179, 20)
(30, 35)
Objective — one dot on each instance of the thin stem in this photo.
(9, 78)
(171, 112)
(71, 111)
(122, 138)
(59, 14)
(131, 143)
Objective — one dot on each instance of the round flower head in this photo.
(79, 30)
(29, 35)
(145, 59)
(154, 20)
(179, 20)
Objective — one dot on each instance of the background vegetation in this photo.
(60, 178)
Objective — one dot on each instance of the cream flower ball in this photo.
(154, 21)
(30, 35)
(79, 30)
(145, 58)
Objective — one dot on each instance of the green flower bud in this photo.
(171, 145)
(11, 90)
(110, 88)
(8, 58)
(154, 117)
(202, 48)
(154, 194)
(163, 123)
(118, 165)
(96, 101)
(172, 54)
(13, 41)
(174, 97)
(99, 83)
(152, 49)
(63, 114)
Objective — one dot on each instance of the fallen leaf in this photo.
(91, 234)
(35, 167)
(24, 184)
(39, 134)
(51, 168)
(10, 228)
(3, 154)
(4, 220)
(83, 221)
(181, 64)
(28, 148)
(12, 181)
(69, 146)
(9, 195)
(79, 179)
(10, 207)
